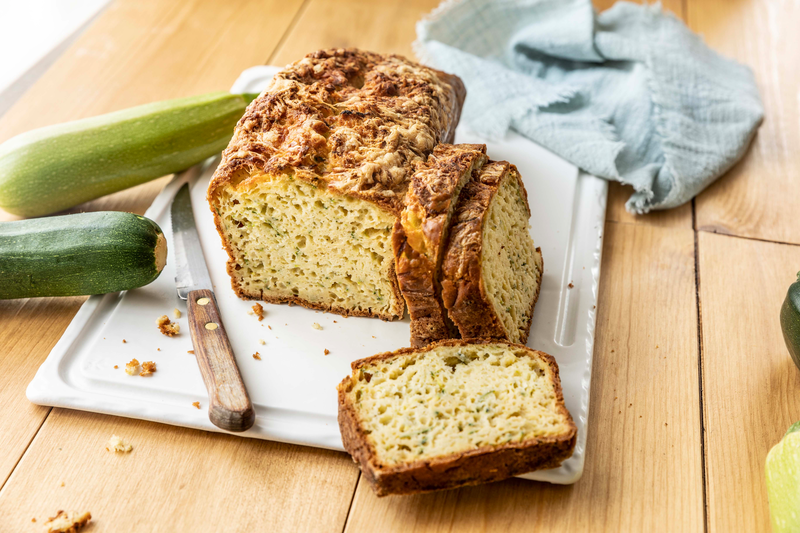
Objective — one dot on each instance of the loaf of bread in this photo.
(458, 412)
(310, 186)
(421, 232)
(491, 271)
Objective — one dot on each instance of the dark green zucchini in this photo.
(790, 320)
(53, 168)
(73, 255)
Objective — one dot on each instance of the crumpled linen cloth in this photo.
(629, 94)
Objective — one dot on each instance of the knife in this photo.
(229, 404)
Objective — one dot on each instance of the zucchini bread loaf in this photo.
(458, 412)
(421, 232)
(310, 186)
(491, 271)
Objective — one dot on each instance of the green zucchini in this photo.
(53, 168)
(790, 320)
(86, 253)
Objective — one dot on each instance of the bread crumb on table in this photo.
(124, 341)
(67, 522)
(176, 313)
(132, 368)
(170, 329)
(148, 367)
(258, 309)
(190, 351)
(261, 341)
(116, 366)
(117, 444)
(196, 404)
(316, 325)
(257, 356)
(327, 351)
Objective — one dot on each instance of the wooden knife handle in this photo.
(229, 405)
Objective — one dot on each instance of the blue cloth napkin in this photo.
(630, 94)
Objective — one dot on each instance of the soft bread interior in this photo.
(511, 267)
(451, 399)
(291, 238)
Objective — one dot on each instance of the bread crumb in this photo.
(116, 444)
(190, 351)
(257, 356)
(67, 522)
(570, 286)
(62, 483)
(124, 341)
(170, 329)
(132, 368)
(315, 325)
(327, 351)
(196, 404)
(258, 309)
(158, 349)
(270, 327)
(116, 367)
(373, 336)
(176, 313)
(148, 367)
(261, 341)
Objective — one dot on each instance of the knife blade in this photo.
(229, 405)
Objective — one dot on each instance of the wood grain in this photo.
(751, 387)
(137, 51)
(229, 405)
(757, 198)
(175, 480)
(643, 467)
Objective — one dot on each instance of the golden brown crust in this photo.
(354, 121)
(463, 293)
(420, 234)
(482, 465)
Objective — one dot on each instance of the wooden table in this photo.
(691, 386)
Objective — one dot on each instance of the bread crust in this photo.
(352, 121)
(463, 292)
(483, 465)
(421, 232)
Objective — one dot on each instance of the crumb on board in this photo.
(67, 522)
(316, 325)
(258, 309)
(132, 368)
(262, 341)
(148, 367)
(116, 367)
(270, 327)
(62, 483)
(327, 351)
(571, 285)
(33, 520)
(176, 313)
(196, 404)
(159, 349)
(117, 444)
(124, 341)
(257, 356)
(190, 351)
(334, 322)
(373, 336)
(170, 329)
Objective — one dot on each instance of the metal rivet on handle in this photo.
(211, 325)
(203, 301)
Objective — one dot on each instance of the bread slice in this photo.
(491, 272)
(310, 186)
(458, 412)
(421, 232)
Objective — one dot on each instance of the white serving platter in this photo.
(293, 385)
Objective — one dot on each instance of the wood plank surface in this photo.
(751, 387)
(643, 467)
(758, 197)
(137, 51)
(175, 480)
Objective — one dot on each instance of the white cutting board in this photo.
(293, 385)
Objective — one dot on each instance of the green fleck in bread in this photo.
(458, 412)
(310, 186)
(492, 272)
(421, 232)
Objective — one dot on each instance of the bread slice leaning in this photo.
(457, 412)
(491, 271)
(421, 231)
